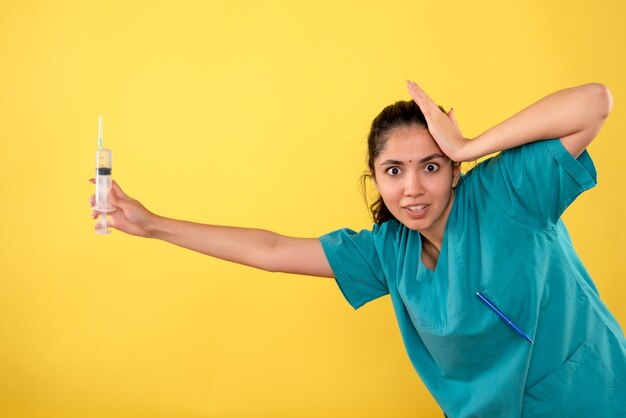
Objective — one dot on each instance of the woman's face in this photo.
(416, 180)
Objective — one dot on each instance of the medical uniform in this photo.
(503, 238)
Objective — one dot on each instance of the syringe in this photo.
(103, 182)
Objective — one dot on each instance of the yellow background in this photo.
(250, 113)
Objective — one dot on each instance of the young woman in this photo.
(497, 312)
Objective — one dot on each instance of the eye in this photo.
(432, 167)
(393, 171)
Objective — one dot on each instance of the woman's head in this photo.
(408, 168)
(402, 113)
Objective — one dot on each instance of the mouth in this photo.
(417, 211)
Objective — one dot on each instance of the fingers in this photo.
(92, 204)
(425, 103)
(452, 117)
(414, 91)
(116, 193)
(114, 186)
(113, 198)
(118, 190)
(417, 93)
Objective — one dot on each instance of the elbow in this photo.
(601, 98)
(272, 259)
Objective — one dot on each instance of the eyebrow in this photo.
(422, 161)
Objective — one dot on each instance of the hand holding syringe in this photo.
(125, 213)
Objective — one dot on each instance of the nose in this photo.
(413, 185)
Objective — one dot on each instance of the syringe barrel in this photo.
(103, 179)
(104, 159)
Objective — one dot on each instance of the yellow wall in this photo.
(251, 113)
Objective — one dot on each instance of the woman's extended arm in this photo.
(575, 115)
(252, 247)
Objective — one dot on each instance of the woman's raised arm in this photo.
(252, 247)
(575, 115)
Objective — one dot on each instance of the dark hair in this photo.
(399, 114)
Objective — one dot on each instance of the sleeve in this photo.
(536, 182)
(355, 262)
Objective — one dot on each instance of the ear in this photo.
(456, 173)
(375, 182)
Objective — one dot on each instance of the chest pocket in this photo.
(465, 337)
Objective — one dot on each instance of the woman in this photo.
(497, 312)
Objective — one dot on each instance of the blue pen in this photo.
(504, 318)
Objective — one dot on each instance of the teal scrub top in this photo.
(504, 238)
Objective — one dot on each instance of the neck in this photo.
(434, 241)
(431, 248)
(434, 235)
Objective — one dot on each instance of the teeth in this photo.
(417, 208)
